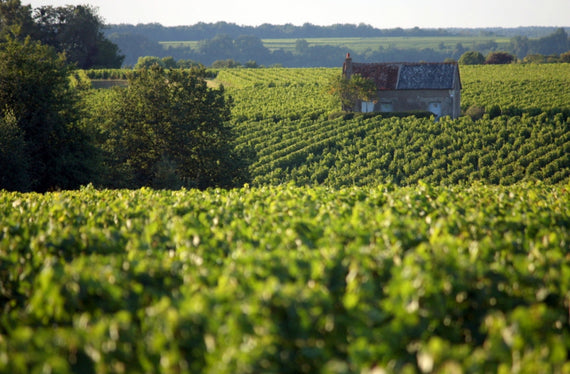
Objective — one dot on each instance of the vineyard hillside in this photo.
(421, 275)
(299, 134)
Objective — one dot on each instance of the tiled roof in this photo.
(426, 76)
(408, 76)
(384, 75)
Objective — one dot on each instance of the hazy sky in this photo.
(378, 13)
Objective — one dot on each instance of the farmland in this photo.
(286, 279)
(364, 243)
(361, 44)
(287, 116)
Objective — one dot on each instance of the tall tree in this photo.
(77, 31)
(168, 129)
(14, 162)
(555, 43)
(39, 112)
(15, 19)
(520, 46)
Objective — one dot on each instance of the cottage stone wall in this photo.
(414, 100)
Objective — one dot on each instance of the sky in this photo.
(378, 13)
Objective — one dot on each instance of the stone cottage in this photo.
(403, 87)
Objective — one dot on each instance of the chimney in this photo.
(347, 67)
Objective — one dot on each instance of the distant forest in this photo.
(242, 45)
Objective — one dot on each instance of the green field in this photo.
(363, 244)
(287, 116)
(372, 43)
(286, 279)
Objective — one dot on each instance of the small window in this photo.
(367, 106)
(386, 107)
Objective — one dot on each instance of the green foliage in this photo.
(531, 88)
(286, 279)
(146, 62)
(73, 30)
(472, 58)
(497, 58)
(14, 161)
(225, 64)
(299, 135)
(168, 62)
(36, 97)
(475, 112)
(107, 73)
(351, 91)
(77, 32)
(167, 125)
(15, 20)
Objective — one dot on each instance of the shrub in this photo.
(475, 112)
(472, 58)
(498, 58)
(494, 111)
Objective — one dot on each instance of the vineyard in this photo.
(293, 124)
(363, 244)
(286, 279)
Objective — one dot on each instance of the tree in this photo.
(14, 162)
(497, 58)
(350, 91)
(472, 58)
(168, 129)
(250, 48)
(535, 59)
(301, 46)
(15, 19)
(77, 31)
(555, 43)
(565, 57)
(147, 61)
(220, 47)
(133, 46)
(226, 64)
(520, 46)
(40, 114)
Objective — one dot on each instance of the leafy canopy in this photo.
(39, 113)
(168, 129)
(350, 91)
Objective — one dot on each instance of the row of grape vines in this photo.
(286, 279)
(292, 126)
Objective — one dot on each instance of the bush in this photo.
(498, 58)
(472, 58)
(494, 111)
(226, 64)
(475, 112)
(148, 61)
(535, 59)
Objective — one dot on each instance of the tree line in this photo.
(76, 31)
(167, 129)
(203, 31)
(226, 50)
